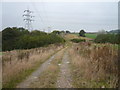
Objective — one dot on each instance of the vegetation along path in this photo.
(34, 76)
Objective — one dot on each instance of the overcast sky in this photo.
(73, 16)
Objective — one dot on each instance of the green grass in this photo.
(77, 40)
(90, 35)
(17, 79)
(76, 34)
(0, 53)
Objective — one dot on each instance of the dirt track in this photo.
(33, 77)
(64, 78)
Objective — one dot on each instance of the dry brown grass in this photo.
(0, 71)
(94, 66)
(18, 64)
(48, 78)
(70, 36)
(73, 36)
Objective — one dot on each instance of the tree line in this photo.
(105, 37)
(20, 38)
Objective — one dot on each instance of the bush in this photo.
(82, 33)
(17, 38)
(108, 38)
(78, 40)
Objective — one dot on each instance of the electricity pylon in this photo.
(49, 29)
(28, 18)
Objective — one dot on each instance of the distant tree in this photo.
(9, 37)
(37, 32)
(118, 38)
(20, 38)
(102, 32)
(0, 41)
(108, 38)
(62, 31)
(23, 31)
(77, 40)
(67, 31)
(82, 33)
(56, 32)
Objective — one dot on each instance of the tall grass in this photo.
(18, 64)
(94, 66)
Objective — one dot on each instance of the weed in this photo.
(94, 65)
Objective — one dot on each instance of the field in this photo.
(59, 45)
(70, 65)
(90, 35)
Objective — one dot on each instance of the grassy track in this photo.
(48, 77)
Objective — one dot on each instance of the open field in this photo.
(90, 35)
(49, 44)
(76, 65)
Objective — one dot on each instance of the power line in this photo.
(40, 17)
(49, 29)
(34, 6)
(48, 23)
(45, 12)
(28, 18)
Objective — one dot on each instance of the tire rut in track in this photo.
(34, 76)
(64, 78)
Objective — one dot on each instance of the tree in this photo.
(102, 32)
(62, 31)
(37, 32)
(67, 31)
(56, 32)
(9, 37)
(82, 33)
(20, 38)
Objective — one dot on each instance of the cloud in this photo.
(92, 16)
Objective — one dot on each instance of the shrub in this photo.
(78, 40)
(108, 38)
(19, 38)
(82, 33)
